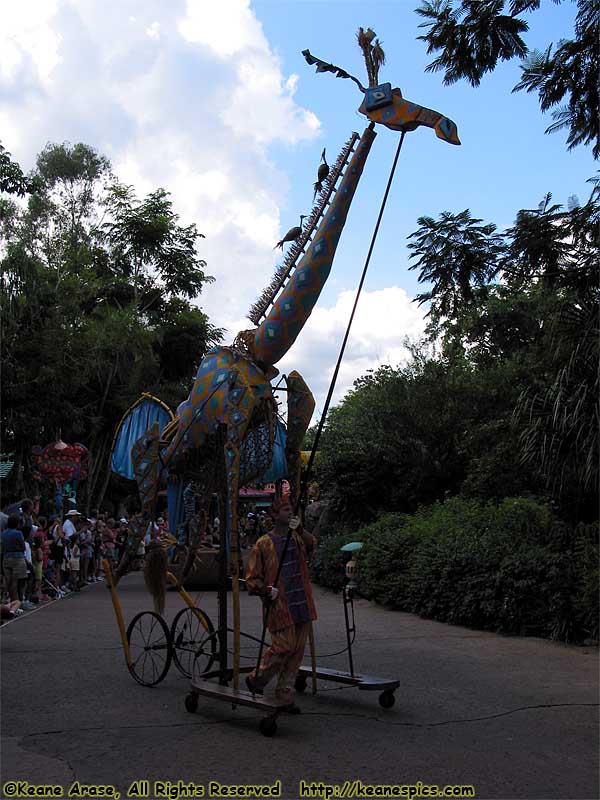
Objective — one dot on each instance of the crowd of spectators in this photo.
(48, 558)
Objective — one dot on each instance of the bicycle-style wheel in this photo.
(193, 638)
(149, 647)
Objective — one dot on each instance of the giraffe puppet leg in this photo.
(239, 415)
(301, 406)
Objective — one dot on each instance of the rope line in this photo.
(331, 390)
(351, 320)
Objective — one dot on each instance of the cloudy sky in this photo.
(214, 102)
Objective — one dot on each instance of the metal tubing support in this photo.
(331, 389)
(222, 601)
(350, 321)
(235, 593)
(117, 607)
(313, 658)
(348, 639)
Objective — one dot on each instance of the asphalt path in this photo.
(514, 717)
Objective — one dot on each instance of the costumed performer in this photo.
(292, 606)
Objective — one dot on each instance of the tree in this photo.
(65, 215)
(397, 440)
(12, 179)
(149, 246)
(538, 246)
(459, 256)
(96, 310)
(537, 329)
(472, 36)
(561, 420)
(503, 398)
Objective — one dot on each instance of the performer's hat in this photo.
(73, 513)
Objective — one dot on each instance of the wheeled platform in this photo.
(369, 683)
(239, 697)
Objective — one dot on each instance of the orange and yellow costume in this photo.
(293, 610)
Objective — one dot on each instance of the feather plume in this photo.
(364, 42)
(378, 58)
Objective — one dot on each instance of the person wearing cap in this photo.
(68, 525)
(290, 604)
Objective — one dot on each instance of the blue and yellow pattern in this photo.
(293, 307)
(227, 384)
(402, 115)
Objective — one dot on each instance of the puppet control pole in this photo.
(313, 452)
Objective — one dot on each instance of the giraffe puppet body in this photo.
(232, 385)
(231, 401)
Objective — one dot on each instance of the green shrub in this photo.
(512, 567)
(327, 565)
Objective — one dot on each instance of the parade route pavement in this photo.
(516, 718)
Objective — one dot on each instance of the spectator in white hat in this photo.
(68, 525)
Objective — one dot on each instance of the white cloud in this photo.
(189, 96)
(252, 104)
(227, 26)
(184, 95)
(383, 319)
(153, 30)
(27, 37)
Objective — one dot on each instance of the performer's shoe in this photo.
(287, 697)
(252, 687)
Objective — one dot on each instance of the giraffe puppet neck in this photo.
(293, 307)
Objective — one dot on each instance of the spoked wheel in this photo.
(193, 638)
(149, 647)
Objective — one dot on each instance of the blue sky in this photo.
(215, 102)
(506, 162)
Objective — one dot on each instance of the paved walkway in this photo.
(516, 718)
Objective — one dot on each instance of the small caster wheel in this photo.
(191, 703)
(268, 726)
(300, 684)
(387, 699)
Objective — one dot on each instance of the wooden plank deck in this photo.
(364, 682)
(239, 698)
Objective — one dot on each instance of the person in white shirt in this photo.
(68, 525)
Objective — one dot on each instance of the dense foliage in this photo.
(471, 473)
(512, 567)
(12, 179)
(96, 290)
(502, 397)
(485, 445)
(472, 36)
